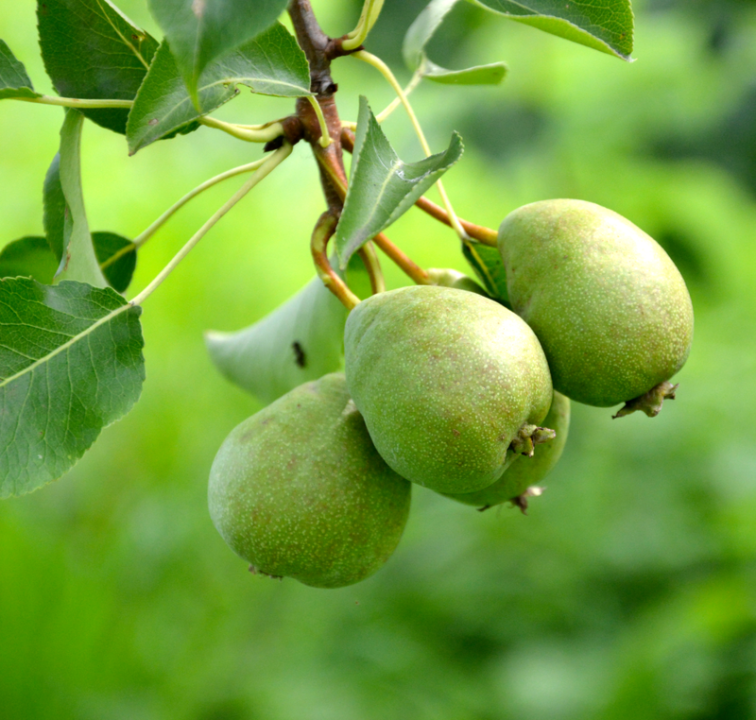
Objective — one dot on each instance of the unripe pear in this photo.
(298, 490)
(610, 308)
(445, 380)
(524, 472)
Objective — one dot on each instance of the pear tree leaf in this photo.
(92, 50)
(78, 259)
(14, 81)
(418, 36)
(54, 209)
(117, 257)
(299, 341)
(29, 257)
(382, 187)
(488, 266)
(70, 364)
(604, 25)
(115, 254)
(201, 31)
(271, 64)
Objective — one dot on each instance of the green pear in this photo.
(446, 380)
(524, 472)
(298, 490)
(610, 308)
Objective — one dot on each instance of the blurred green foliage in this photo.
(628, 593)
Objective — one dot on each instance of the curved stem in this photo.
(263, 171)
(325, 137)
(171, 211)
(393, 105)
(409, 267)
(373, 266)
(77, 102)
(371, 10)
(263, 135)
(484, 235)
(324, 230)
(384, 69)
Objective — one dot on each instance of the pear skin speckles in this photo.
(610, 308)
(298, 490)
(444, 379)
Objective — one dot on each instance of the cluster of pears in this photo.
(451, 390)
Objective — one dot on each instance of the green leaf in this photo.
(78, 261)
(70, 364)
(271, 64)
(418, 36)
(92, 50)
(605, 25)
(117, 257)
(299, 341)
(488, 266)
(14, 82)
(201, 31)
(117, 272)
(29, 257)
(54, 209)
(382, 187)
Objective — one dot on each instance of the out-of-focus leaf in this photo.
(201, 31)
(382, 187)
(70, 364)
(605, 25)
(78, 261)
(14, 81)
(488, 266)
(271, 64)
(29, 257)
(418, 36)
(92, 50)
(299, 341)
(117, 257)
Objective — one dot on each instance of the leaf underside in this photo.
(271, 64)
(70, 364)
(78, 261)
(382, 187)
(419, 35)
(301, 340)
(92, 50)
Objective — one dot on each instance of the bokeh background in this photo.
(629, 592)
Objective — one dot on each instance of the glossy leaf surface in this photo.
(70, 364)
(604, 25)
(271, 64)
(201, 31)
(92, 50)
(383, 187)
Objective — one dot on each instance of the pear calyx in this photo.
(650, 402)
(528, 437)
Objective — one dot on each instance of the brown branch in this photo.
(373, 266)
(484, 235)
(324, 229)
(409, 267)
